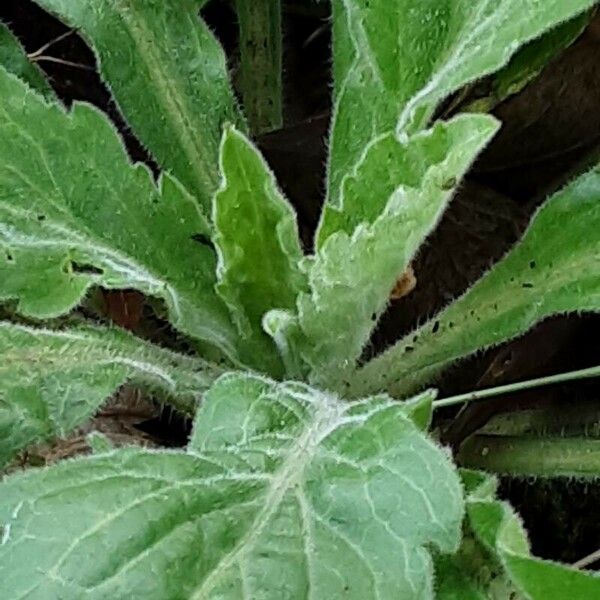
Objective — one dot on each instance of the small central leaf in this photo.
(258, 245)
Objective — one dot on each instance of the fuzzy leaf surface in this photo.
(544, 580)
(257, 244)
(496, 526)
(529, 62)
(169, 76)
(53, 381)
(353, 274)
(74, 212)
(395, 60)
(283, 493)
(554, 269)
(15, 60)
(477, 571)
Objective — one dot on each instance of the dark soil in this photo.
(551, 132)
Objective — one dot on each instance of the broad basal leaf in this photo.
(395, 60)
(555, 269)
(53, 381)
(284, 493)
(15, 60)
(169, 77)
(257, 243)
(353, 274)
(74, 213)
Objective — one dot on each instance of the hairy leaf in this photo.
(529, 62)
(53, 381)
(554, 269)
(284, 493)
(74, 213)
(389, 164)
(544, 580)
(169, 77)
(257, 243)
(477, 570)
(15, 60)
(395, 60)
(495, 525)
(353, 274)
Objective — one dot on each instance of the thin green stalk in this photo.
(517, 387)
(261, 63)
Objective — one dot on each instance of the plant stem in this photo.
(516, 387)
(261, 63)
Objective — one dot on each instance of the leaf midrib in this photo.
(175, 104)
(328, 414)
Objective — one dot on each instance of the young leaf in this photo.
(353, 274)
(389, 164)
(284, 493)
(477, 570)
(395, 60)
(554, 269)
(53, 381)
(169, 77)
(544, 580)
(496, 526)
(257, 244)
(15, 60)
(74, 212)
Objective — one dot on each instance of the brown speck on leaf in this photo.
(405, 285)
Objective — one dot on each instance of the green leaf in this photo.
(498, 528)
(352, 275)
(257, 243)
(544, 580)
(74, 212)
(53, 381)
(390, 164)
(15, 60)
(522, 455)
(169, 77)
(554, 269)
(453, 583)
(395, 60)
(284, 493)
(477, 570)
(529, 62)
(99, 443)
